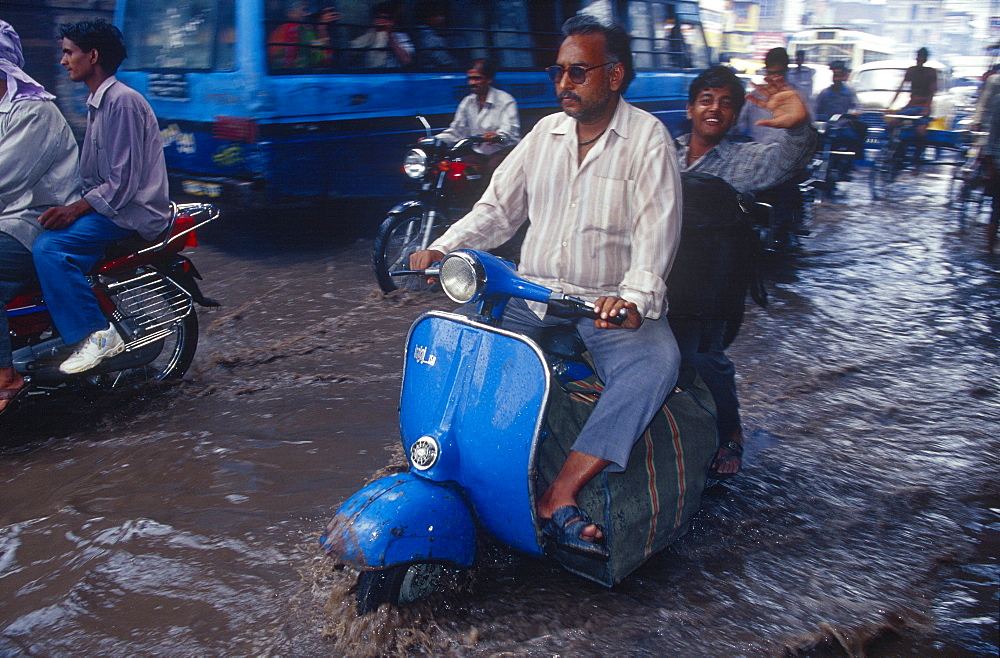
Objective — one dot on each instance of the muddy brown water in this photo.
(183, 521)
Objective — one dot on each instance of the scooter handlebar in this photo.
(430, 271)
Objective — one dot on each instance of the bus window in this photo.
(666, 36)
(182, 35)
(517, 34)
(546, 24)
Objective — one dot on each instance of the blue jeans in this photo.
(63, 258)
(638, 367)
(701, 346)
(15, 272)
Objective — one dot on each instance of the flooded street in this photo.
(184, 521)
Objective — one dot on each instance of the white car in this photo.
(875, 83)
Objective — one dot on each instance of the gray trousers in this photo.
(16, 270)
(638, 367)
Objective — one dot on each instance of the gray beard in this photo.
(593, 112)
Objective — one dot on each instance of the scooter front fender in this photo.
(402, 518)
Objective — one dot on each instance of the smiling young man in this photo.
(601, 184)
(714, 102)
(125, 193)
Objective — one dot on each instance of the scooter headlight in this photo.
(462, 276)
(415, 163)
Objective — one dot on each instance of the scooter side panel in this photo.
(480, 394)
(402, 518)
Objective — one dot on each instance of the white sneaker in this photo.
(92, 350)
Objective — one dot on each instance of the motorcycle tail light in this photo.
(192, 241)
(457, 170)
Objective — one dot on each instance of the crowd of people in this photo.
(601, 182)
(318, 39)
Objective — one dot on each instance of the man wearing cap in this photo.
(38, 170)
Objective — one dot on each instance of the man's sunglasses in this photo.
(577, 73)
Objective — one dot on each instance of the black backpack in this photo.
(718, 258)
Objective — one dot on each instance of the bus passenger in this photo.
(125, 193)
(714, 102)
(602, 186)
(38, 170)
(298, 43)
(487, 111)
(432, 46)
(385, 48)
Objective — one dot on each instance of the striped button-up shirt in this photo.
(608, 226)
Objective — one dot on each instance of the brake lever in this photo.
(430, 271)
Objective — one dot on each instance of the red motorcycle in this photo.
(449, 181)
(147, 290)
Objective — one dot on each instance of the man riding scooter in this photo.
(845, 131)
(601, 184)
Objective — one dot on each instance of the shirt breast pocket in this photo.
(103, 162)
(609, 222)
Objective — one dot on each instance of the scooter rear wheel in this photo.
(400, 584)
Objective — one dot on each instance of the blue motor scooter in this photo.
(487, 418)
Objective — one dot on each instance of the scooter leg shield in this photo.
(399, 519)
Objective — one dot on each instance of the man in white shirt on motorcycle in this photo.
(487, 111)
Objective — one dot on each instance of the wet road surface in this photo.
(183, 521)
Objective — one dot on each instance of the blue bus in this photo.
(265, 102)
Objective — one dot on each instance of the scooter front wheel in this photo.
(401, 584)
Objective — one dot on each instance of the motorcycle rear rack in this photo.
(150, 304)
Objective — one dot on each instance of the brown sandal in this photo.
(12, 394)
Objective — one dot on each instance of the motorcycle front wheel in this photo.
(400, 584)
(399, 236)
(175, 356)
